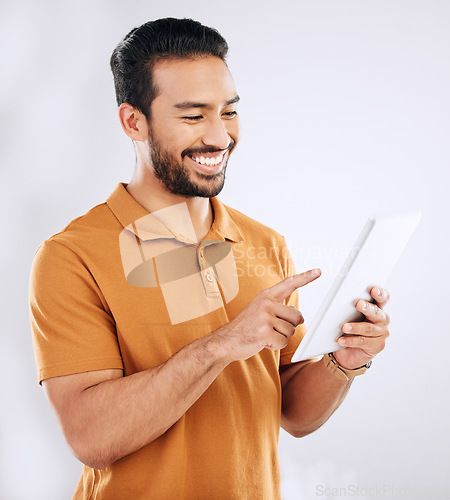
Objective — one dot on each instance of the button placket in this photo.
(201, 259)
(209, 282)
(207, 274)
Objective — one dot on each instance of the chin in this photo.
(212, 187)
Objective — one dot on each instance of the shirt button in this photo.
(209, 277)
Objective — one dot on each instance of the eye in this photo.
(230, 114)
(192, 118)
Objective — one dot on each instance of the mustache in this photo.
(208, 149)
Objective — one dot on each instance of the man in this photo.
(165, 356)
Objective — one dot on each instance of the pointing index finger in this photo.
(284, 288)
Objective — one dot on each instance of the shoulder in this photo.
(261, 244)
(85, 231)
(253, 229)
(72, 257)
(78, 249)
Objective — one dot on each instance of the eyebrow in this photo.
(192, 104)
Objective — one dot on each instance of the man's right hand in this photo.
(266, 322)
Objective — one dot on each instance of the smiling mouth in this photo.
(208, 159)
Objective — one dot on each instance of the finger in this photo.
(366, 329)
(372, 312)
(371, 345)
(284, 327)
(284, 288)
(380, 295)
(276, 342)
(287, 313)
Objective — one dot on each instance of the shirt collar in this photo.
(223, 225)
(127, 210)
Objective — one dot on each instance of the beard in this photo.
(178, 179)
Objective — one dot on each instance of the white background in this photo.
(345, 112)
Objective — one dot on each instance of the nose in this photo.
(216, 133)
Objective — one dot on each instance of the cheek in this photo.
(176, 140)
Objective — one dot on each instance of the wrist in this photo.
(218, 345)
(339, 371)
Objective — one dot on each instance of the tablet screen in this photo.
(368, 264)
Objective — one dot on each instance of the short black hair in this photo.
(133, 59)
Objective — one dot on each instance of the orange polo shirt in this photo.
(122, 288)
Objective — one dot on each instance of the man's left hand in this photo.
(363, 340)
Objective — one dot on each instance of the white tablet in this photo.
(369, 263)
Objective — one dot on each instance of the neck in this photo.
(148, 192)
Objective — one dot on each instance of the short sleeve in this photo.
(294, 341)
(72, 327)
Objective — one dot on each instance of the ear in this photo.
(134, 122)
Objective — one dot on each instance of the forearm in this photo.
(311, 394)
(117, 417)
(106, 416)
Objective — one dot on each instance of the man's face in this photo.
(193, 126)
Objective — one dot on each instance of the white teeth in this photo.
(209, 161)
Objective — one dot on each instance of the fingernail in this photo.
(315, 272)
(348, 327)
(342, 340)
(379, 292)
(364, 306)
